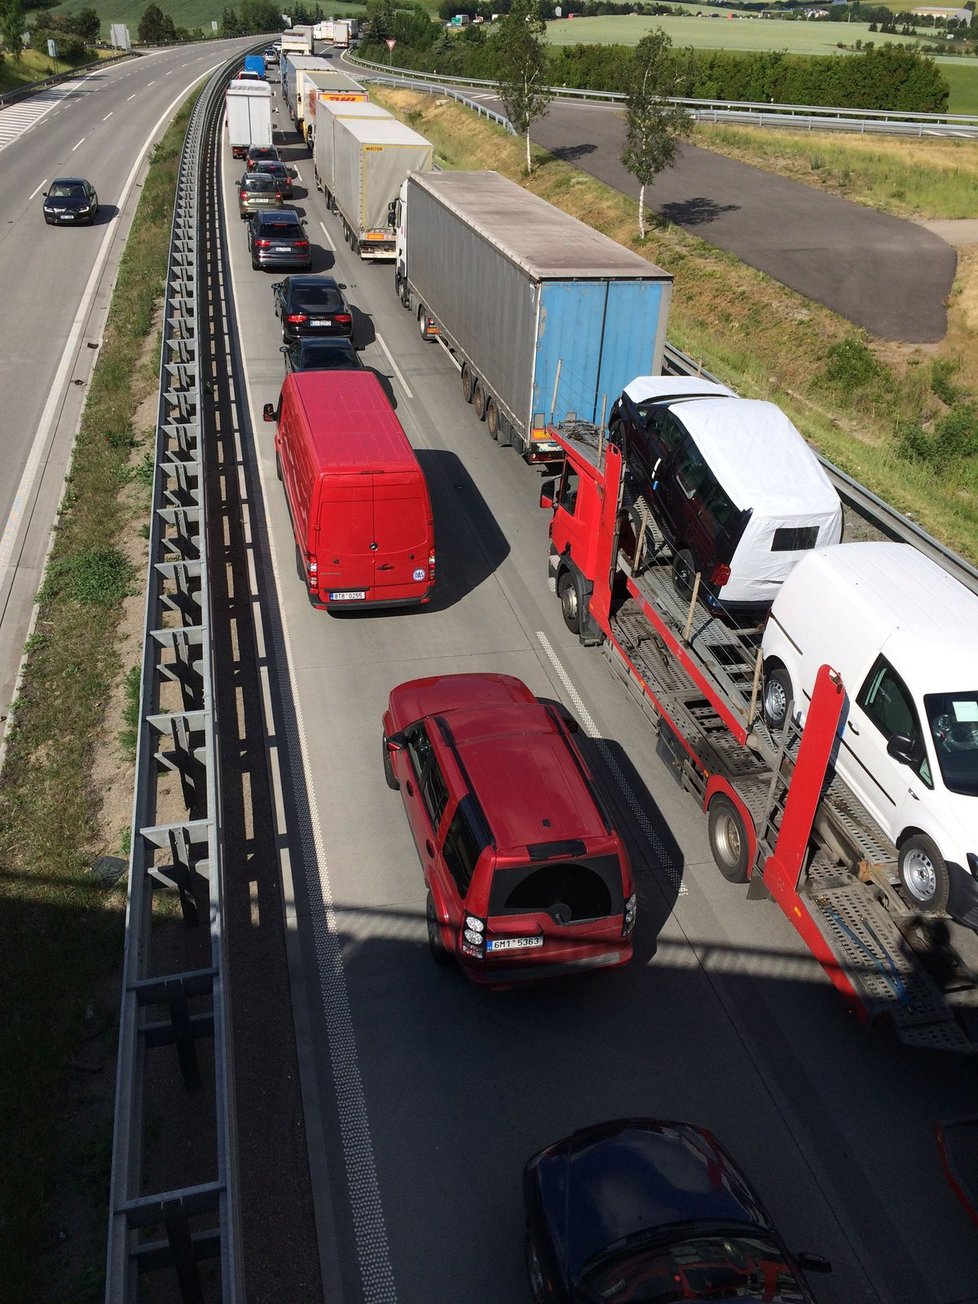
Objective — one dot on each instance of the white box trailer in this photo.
(325, 87)
(328, 111)
(372, 157)
(248, 115)
(295, 69)
(299, 40)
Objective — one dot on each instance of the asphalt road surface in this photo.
(425, 1096)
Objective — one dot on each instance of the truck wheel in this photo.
(479, 401)
(468, 382)
(728, 839)
(778, 696)
(492, 419)
(924, 875)
(435, 944)
(423, 322)
(570, 602)
(389, 769)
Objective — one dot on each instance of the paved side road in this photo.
(889, 276)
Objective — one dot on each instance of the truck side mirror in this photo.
(812, 1262)
(392, 213)
(548, 493)
(268, 412)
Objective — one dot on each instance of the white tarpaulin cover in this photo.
(763, 463)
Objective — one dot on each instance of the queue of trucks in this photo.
(550, 324)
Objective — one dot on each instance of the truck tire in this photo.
(924, 875)
(423, 323)
(777, 697)
(435, 944)
(570, 601)
(479, 400)
(468, 382)
(728, 839)
(492, 419)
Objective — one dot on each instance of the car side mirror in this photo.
(902, 749)
(45, 194)
(268, 412)
(548, 493)
(278, 285)
(812, 1262)
(395, 742)
(283, 348)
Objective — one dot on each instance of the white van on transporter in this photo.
(903, 634)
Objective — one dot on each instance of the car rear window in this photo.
(575, 889)
(282, 230)
(316, 296)
(259, 181)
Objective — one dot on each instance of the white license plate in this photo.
(513, 943)
(349, 595)
(320, 321)
(282, 249)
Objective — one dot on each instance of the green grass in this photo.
(962, 78)
(60, 934)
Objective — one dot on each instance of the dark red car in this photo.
(526, 876)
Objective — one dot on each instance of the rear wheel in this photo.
(924, 874)
(435, 945)
(728, 839)
(778, 695)
(570, 602)
(423, 323)
(492, 418)
(468, 382)
(479, 401)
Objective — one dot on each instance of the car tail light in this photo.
(244, 194)
(631, 911)
(431, 565)
(263, 244)
(342, 318)
(474, 937)
(300, 244)
(720, 576)
(278, 194)
(312, 574)
(297, 318)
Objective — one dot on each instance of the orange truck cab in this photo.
(361, 515)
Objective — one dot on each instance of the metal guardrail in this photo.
(176, 844)
(811, 117)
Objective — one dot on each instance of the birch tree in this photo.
(653, 126)
(522, 68)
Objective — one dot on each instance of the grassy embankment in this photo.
(31, 66)
(901, 419)
(60, 933)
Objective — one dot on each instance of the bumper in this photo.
(544, 451)
(413, 597)
(291, 262)
(566, 962)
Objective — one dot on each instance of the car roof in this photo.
(70, 181)
(282, 216)
(299, 282)
(663, 388)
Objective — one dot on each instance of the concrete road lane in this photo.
(429, 1094)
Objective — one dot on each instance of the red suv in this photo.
(526, 876)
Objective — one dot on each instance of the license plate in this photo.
(513, 943)
(320, 321)
(282, 249)
(350, 595)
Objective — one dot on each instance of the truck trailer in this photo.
(547, 318)
(779, 818)
(328, 111)
(297, 40)
(326, 87)
(372, 157)
(248, 115)
(295, 70)
(255, 63)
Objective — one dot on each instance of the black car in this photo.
(277, 238)
(258, 153)
(640, 1209)
(275, 168)
(70, 199)
(321, 353)
(311, 305)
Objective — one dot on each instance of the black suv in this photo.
(311, 305)
(321, 353)
(278, 239)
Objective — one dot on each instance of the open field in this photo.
(901, 419)
(718, 33)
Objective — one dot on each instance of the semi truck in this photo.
(326, 87)
(344, 31)
(297, 40)
(546, 318)
(248, 115)
(371, 158)
(255, 63)
(779, 819)
(323, 149)
(295, 68)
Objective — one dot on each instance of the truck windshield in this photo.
(953, 719)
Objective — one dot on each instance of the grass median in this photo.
(61, 932)
(901, 419)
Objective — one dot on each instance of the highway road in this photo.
(57, 284)
(425, 1096)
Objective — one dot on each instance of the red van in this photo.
(361, 515)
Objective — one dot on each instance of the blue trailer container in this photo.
(548, 318)
(255, 63)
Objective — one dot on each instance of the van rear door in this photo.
(346, 533)
(402, 532)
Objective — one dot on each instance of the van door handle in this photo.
(913, 794)
(410, 788)
(386, 566)
(850, 725)
(429, 848)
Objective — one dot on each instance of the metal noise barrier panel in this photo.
(171, 1207)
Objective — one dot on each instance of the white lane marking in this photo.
(329, 243)
(590, 728)
(369, 1224)
(33, 467)
(108, 115)
(394, 367)
(149, 84)
(81, 142)
(38, 190)
(131, 97)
